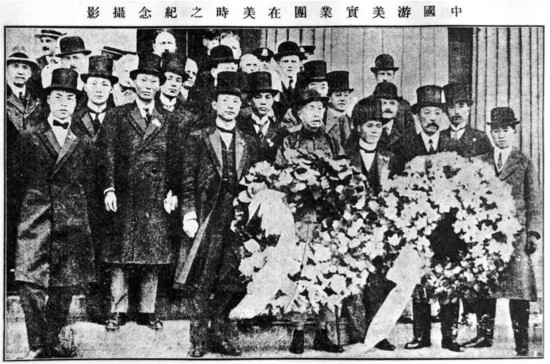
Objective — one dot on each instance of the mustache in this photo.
(45, 48)
(387, 110)
(433, 124)
(456, 117)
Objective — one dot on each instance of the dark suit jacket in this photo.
(271, 141)
(410, 146)
(472, 143)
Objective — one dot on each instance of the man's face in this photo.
(146, 86)
(430, 119)
(227, 67)
(234, 44)
(265, 65)
(371, 131)
(227, 106)
(389, 108)
(289, 65)
(261, 103)
(503, 136)
(164, 42)
(62, 103)
(339, 100)
(191, 69)
(249, 63)
(311, 114)
(122, 68)
(320, 86)
(458, 112)
(210, 43)
(172, 87)
(98, 89)
(384, 75)
(48, 45)
(18, 73)
(77, 62)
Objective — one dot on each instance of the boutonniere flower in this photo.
(475, 139)
(156, 122)
(270, 142)
(242, 142)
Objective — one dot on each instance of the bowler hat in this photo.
(114, 53)
(71, 45)
(338, 81)
(260, 82)
(304, 97)
(365, 110)
(49, 33)
(455, 92)
(315, 71)
(63, 79)
(383, 62)
(222, 54)
(430, 95)
(288, 48)
(149, 64)
(175, 63)
(387, 91)
(100, 66)
(19, 55)
(228, 84)
(263, 54)
(503, 116)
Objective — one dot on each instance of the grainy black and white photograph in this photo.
(344, 192)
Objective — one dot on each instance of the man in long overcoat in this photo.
(54, 256)
(215, 159)
(517, 281)
(133, 146)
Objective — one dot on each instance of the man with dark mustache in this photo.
(386, 93)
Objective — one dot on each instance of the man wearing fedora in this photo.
(214, 160)
(465, 140)
(384, 71)
(48, 41)
(517, 281)
(337, 123)
(133, 145)
(54, 256)
(73, 55)
(377, 164)
(289, 59)
(386, 93)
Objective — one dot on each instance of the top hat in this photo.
(383, 62)
(228, 84)
(71, 45)
(387, 91)
(365, 110)
(20, 55)
(315, 71)
(222, 54)
(100, 66)
(210, 34)
(175, 63)
(263, 54)
(63, 79)
(260, 82)
(455, 92)
(149, 64)
(304, 97)
(288, 49)
(430, 95)
(114, 53)
(503, 116)
(49, 33)
(338, 81)
(307, 49)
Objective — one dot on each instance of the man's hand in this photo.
(531, 245)
(170, 202)
(110, 201)
(190, 227)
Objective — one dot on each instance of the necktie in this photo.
(455, 133)
(499, 161)
(60, 124)
(147, 116)
(290, 84)
(22, 99)
(95, 121)
(431, 150)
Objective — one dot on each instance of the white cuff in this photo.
(110, 189)
(190, 216)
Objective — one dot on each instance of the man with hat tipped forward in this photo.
(54, 257)
(215, 159)
(517, 281)
(133, 144)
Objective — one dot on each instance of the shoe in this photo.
(115, 320)
(385, 345)
(522, 352)
(150, 320)
(59, 351)
(40, 353)
(417, 343)
(297, 343)
(478, 342)
(197, 350)
(224, 347)
(323, 343)
(452, 346)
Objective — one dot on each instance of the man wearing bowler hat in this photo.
(73, 55)
(289, 59)
(54, 256)
(133, 145)
(517, 281)
(384, 71)
(386, 93)
(465, 140)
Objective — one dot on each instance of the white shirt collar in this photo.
(459, 127)
(367, 158)
(224, 124)
(388, 127)
(167, 102)
(505, 154)
(95, 108)
(18, 90)
(60, 133)
(434, 138)
(142, 106)
(366, 146)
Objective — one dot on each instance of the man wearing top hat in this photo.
(377, 164)
(54, 257)
(465, 140)
(337, 122)
(289, 59)
(173, 69)
(386, 93)
(73, 55)
(517, 281)
(133, 145)
(215, 159)
(384, 71)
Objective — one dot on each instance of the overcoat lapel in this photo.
(14, 100)
(240, 157)
(214, 146)
(383, 161)
(50, 141)
(510, 166)
(137, 121)
(332, 121)
(71, 141)
(87, 121)
(152, 130)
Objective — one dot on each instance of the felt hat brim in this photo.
(416, 107)
(84, 77)
(134, 73)
(84, 51)
(376, 69)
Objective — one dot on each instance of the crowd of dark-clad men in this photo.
(120, 165)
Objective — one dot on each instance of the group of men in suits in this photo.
(146, 180)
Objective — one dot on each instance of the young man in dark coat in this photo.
(337, 122)
(54, 256)
(386, 93)
(215, 159)
(517, 281)
(173, 68)
(133, 145)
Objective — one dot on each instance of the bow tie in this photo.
(223, 130)
(126, 88)
(368, 151)
(60, 124)
(96, 112)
